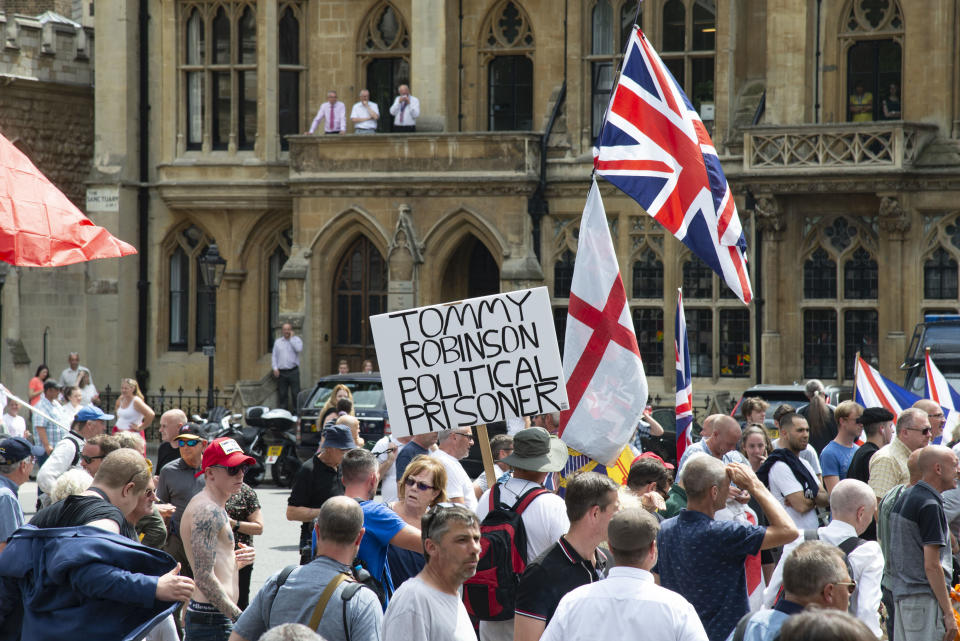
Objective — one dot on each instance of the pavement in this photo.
(276, 548)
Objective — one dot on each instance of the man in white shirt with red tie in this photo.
(405, 110)
(333, 113)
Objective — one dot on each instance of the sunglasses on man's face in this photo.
(187, 443)
(233, 471)
(90, 459)
(924, 430)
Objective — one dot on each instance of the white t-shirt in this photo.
(14, 425)
(419, 611)
(545, 521)
(459, 485)
(783, 483)
(809, 455)
(388, 489)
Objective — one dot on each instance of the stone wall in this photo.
(46, 101)
(36, 7)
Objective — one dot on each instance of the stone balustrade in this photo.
(436, 156)
(827, 147)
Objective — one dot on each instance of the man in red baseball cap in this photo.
(208, 540)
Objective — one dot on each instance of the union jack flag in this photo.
(654, 147)
(684, 407)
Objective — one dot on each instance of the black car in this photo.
(369, 405)
(776, 395)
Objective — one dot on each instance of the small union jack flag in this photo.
(684, 407)
(654, 147)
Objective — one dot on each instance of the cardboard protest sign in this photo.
(470, 362)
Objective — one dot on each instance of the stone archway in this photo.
(471, 271)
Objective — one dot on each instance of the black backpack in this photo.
(491, 594)
(363, 576)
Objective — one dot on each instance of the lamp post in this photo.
(212, 266)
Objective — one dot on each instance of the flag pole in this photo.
(856, 374)
(486, 454)
(616, 77)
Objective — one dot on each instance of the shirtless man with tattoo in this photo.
(205, 529)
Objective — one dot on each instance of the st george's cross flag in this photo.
(684, 402)
(654, 147)
(942, 393)
(606, 386)
(872, 389)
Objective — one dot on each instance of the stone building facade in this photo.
(47, 111)
(847, 203)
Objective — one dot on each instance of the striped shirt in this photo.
(55, 432)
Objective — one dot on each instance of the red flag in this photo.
(606, 385)
(39, 226)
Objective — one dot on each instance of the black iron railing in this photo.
(191, 402)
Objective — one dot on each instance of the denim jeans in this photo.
(207, 626)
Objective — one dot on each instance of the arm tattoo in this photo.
(207, 524)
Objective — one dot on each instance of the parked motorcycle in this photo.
(220, 423)
(268, 437)
(271, 437)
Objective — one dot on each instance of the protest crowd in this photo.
(844, 527)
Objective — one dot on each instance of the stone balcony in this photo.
(421, 157)
(827, 148)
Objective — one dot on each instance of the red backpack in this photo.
(491, 594)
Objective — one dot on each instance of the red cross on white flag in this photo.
(606, 385)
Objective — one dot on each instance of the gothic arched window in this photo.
(507, 46)
(384, 50)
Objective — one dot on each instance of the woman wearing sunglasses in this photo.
(421, 487)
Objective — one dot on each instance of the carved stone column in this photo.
(228, 326)
(895, 223)
(404, 257)
(770, 223)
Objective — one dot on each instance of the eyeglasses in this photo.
(233, 471)
(851, 585)
(423, 487)
(90, 459)
(151, 493)
(925, 430)
(187, 443)
(431, 515)
(466, 435)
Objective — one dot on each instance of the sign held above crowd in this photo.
(469, 362)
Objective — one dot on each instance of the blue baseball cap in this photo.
(92, 413)
(17, 448)
(338, 437)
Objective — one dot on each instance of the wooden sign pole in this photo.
(487, 454)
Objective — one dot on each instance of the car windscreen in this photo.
(367, 395)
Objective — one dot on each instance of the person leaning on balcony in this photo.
(334, 115)
(861, 104)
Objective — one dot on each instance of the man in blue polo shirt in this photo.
(703, 559)
(17, 456)
(920, 551)
(382, 526)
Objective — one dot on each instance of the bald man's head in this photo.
(934, 414)
(709, 424)
(726, 435)
(913, 466)
(170, 422)
(938, 467)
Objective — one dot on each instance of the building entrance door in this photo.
(359, 291)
